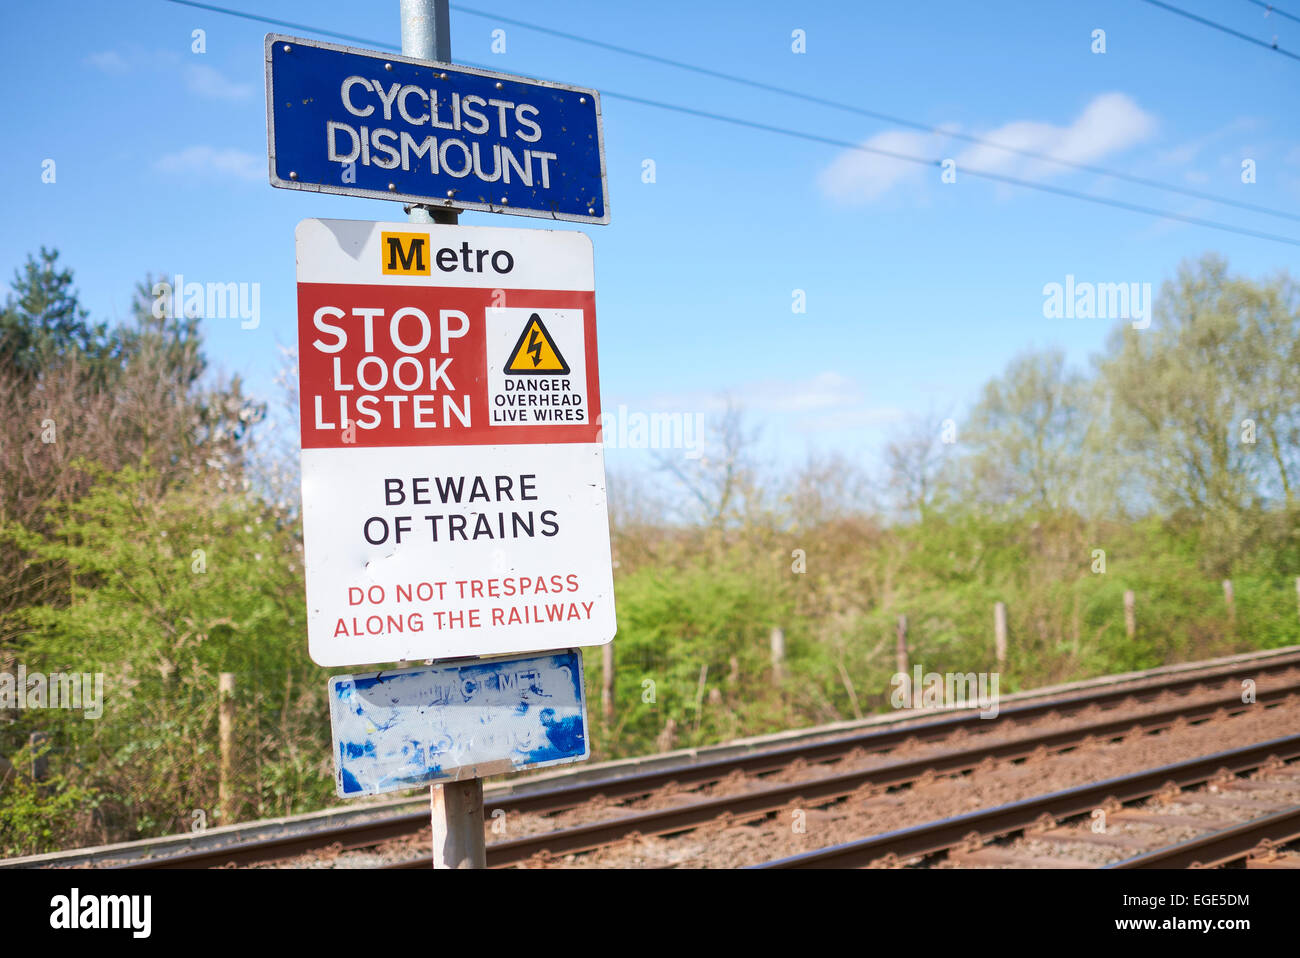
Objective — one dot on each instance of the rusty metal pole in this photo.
(456, 810)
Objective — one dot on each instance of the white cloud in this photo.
(858, 176)
(1189, 151)
(1110, 123)
(863, 417)
(209, 160)
(211, 83)
(827, 400)
(827, 390)
(109, 61)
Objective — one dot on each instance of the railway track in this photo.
(764, 800)
(837, 767)
(972, 839)
(1256, 842)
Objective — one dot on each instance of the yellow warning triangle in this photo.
(536, 353)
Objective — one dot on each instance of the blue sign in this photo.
(360, 123)
(435, 724)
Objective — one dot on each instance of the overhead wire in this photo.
(1269, 8)
(875, 114)
(1003, 178)
(1215, 25)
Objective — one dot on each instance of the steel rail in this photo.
(943, 835)
(829, 788)
(1221, 847)
(699, 773)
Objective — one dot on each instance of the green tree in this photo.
(1028, 436)
(167, 591)
(42, 322)
(1204, 406)
(138, 393)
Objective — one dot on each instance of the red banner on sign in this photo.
(409, 366)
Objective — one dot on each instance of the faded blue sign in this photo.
(361, 123)
(432, 724)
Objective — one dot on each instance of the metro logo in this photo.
(404, 254)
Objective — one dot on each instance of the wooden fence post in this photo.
(1130, 614)
(778, 656)
(668, 737)
(699, 695)
(1000, 634)
(40, 763)
(226, 735)
(900, 660)
(1231, 603)
(607, 681)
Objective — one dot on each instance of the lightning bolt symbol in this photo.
(535, 346)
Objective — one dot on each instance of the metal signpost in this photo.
(452, 467)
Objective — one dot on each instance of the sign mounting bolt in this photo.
(582, 99)
(451, 193)
(500, 85)
(591, 210)
(392, 186)
(442, 76)
(388, 66)
(293, 175)
(287, 48)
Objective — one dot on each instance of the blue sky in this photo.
(917, 291)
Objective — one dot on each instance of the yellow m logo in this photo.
(404, 254)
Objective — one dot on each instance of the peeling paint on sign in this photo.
(435, 724)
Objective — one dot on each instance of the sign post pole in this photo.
(472, 547)
(426, 33)
(456, 809)
(457, 812)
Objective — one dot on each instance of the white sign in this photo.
(453, 477)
